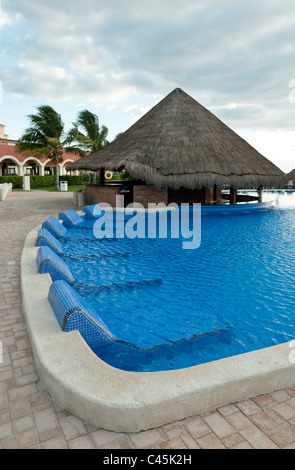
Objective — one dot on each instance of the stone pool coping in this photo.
(121, 401)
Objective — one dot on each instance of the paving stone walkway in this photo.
(30, 419)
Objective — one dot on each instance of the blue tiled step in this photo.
(74, 313)
(96, 256)
(89, 250)
(143, 283)
(191, 351)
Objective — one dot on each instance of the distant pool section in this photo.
(144, 304)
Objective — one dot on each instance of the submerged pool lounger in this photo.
(74, 313)
(55, 227)
(45, 238)
(93, 211)
(70, 218)
(49, 262)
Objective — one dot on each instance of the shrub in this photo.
(47, 181)
(74, 180)
(42, 181)
(17, 181)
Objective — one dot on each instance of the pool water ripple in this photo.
(234, 294)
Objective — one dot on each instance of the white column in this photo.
(21, 169)
(42, 169)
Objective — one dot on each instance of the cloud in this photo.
(6, 18)
(236, 58)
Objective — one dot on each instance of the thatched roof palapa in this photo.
(179, 143)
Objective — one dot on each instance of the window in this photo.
(31, 170)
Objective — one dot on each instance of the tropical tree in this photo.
(92, 137)
(46, 137)
(118, 135)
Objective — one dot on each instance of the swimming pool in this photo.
(172, 308)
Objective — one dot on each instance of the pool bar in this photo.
(63, 327)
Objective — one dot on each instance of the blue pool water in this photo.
(172, 308)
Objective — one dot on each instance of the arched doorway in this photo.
(9, 166)
(49, 168)
(32, 167)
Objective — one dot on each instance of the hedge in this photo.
(17, 181)
(43, 181)
(74, 180)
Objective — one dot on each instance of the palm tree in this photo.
(94, 137)
(46, 137)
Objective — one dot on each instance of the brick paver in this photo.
(30, 420)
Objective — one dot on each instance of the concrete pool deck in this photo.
(30, 418)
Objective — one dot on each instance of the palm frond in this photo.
(33, 150)
(75, 150)
(46, 136)
(89, 122)
(32, 136)
(94, 137)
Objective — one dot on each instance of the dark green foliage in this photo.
(17, 181)
(43, 181)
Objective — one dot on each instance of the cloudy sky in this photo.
(121, 57)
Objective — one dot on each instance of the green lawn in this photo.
(52, 188)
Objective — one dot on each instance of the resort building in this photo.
(14, 163)
(178, 152)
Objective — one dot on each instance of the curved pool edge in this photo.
(121, 401)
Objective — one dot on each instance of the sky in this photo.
(121, 57)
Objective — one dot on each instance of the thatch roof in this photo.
(291, 175)
(180, 143)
